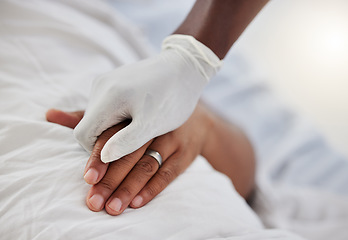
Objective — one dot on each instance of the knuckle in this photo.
(146, 167)
(129, 159)
(95, 154)
(108, 184)
(177, 140)
(167, 175)
(172, 138)
(152, 190)
(125, 190)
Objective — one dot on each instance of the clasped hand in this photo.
(135, 179)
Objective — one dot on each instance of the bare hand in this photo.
(135, 179)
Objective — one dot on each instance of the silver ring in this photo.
(156, 155)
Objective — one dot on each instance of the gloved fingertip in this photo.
(108, 156)
(83, 137)
(121, 144)
(106, 159)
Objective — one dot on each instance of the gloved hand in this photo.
(158, 94)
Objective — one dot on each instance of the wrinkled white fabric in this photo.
(158, 94)
(302, 181)
(48, 55)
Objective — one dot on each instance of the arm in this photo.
(230, 152)
(160, 93)
(219, 23)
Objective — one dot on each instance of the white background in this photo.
(303, 46)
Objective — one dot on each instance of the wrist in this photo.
(210, 136)
(219, 23)
(202, 58)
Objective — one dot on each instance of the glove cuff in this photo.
(205, 59)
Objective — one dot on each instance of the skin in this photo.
(219, 23)
(136, 179)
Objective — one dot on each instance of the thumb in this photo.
(125, 142)
(67, 119)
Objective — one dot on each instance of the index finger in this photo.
(95, 169)
(116, 173)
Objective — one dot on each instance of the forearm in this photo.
(229, 151)
(219, 23)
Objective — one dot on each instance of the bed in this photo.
(50, 51)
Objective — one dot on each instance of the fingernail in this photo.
(91, 176)
(96, 201)
(115, 204)
(137, 201)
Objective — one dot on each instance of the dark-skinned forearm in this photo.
(219, 23)
(229, 151)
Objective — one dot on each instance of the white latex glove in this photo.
(158, 94)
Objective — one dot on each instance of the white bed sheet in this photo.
(302, 180)
(49, 53)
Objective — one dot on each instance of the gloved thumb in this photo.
(124, 142)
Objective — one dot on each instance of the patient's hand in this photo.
(136, 179)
